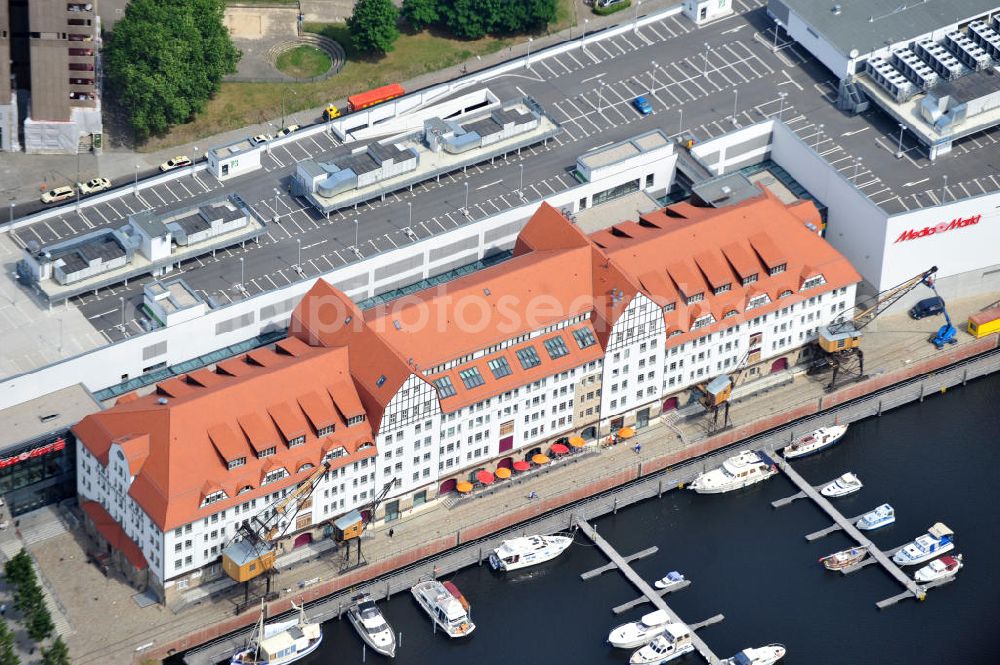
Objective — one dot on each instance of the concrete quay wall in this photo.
(651, 477)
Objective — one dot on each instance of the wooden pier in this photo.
(822, 533)
(625, 607)
(648, 591)
(878, 556)
(590, 574)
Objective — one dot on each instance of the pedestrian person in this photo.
(638, 448)
(391, 532)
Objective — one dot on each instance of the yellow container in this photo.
(985, 322)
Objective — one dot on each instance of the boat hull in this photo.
(871, 526)
(638, 659)
(387, 650)
(790, 452)
(556, 545)
(928, 574)
(247, 658)
(903, 559)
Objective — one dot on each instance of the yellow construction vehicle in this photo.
(330, 112)
(252, 550)
(839, 343)
(715, 394)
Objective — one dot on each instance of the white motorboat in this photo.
(946, 566)
(366, 618)
(844, 559)
(937, 540)
(768, 655)
(884, 515)
(528, 551)
(737, 472)
(444, 609)
(673, 643)
(280, 643)
(814, 441)
(671, 579)
(842, 486)
(637, 633)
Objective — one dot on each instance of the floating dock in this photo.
(878, 556)
(649, 592)
(625, 607)
(590, 574)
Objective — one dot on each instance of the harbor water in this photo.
(933, 461)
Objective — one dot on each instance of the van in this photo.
(927, 307)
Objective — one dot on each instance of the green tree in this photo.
(28, 596)
(420, 13)
(373, 26)
(40, 623)
(8, 655)
(165, 60)
(18, 567)
(538, 14)
(469, 19)
(57, 654)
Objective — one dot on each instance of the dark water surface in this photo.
(935, 461)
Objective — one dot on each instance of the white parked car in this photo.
(260, 138)
(58, 194)
(175, 163)
(285, 131)
(94, 186)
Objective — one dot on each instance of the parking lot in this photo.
(699, 83)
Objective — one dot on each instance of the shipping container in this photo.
(985, 322)
(363, 100)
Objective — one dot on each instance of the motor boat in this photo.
(444, 609)
(844, 558)
(673, 643)
(939, 569)
(937, 540)
(739, 471)
(671, 579)
(842, 486)
(814, 441)
(528, 551)
(366, 618)
(280, 643)
(637, 633)
(884, 515)
(768, 655)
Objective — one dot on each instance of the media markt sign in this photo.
(957, 223)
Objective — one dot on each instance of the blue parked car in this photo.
(642, 105)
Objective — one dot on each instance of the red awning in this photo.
(521, 466)
(485, 477)
(559, 449)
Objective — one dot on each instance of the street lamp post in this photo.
(527, 60)
(899, 148)
(466, 197)
(355, 234)
(11, 220)
(520, 181)
(409, 214)
(736, 98)
(652, 77)
(194, 161)
(136, 185)
(600, 96)
(944, 192)
(680, 122)
(121, 299)
(635, 19)
(776, 26)
(781, 105)
(583, 41)
(298, 262)
(857, 165)
(819, 130)
(704, 71)
(243, 289)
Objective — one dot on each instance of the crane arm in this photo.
(268, 530)
(883, 302)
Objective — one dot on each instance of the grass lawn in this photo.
(304, 62)
(247, 104)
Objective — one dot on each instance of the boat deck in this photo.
(878, 556)
(647, 590)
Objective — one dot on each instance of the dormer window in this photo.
(730, 313)
(757, 301)
(723, 289)
(275, 475)
(669, 307)
(749, 279)
(234, 463)
(355, 420)
(818, 280)
(778, 269)
(213, 497)
(297, 441)
(703, 321)
(267, 452)
(325, 431)
(245, 489)
(697, 297)
(785, 293)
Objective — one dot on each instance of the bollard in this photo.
(879, 408)
(615, 509)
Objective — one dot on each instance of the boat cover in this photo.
(765, 458)
(742, 659)
(656, 618)
(940, 530)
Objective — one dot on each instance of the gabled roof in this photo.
(181, 445)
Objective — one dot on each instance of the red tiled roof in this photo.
(111, 532)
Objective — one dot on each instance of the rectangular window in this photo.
(556, 347)
(444, 387)
(471, 377)
(297, 441)
(528, 357)
(818, 280)
(325, 431)
(500, 367)
(723, 289)
(697, 297)
(584, 337)
(778, 269)
(749, 279)
(239, 461)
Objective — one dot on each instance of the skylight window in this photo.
(500, 367)
(584, 337)
(471, 377)
(528, 357)
(444, 387)
(556, 347)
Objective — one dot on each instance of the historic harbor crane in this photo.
(715, 394)
(352, 526)
(840, 342)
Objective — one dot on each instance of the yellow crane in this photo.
(715, 394)
(840, 342)
(252, 550)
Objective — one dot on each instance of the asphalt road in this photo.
(700, 82)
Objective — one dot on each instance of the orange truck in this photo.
(985, 321)
(363, 100)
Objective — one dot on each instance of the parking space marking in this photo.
(550, 70)
(118, 213)
(652, 28)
